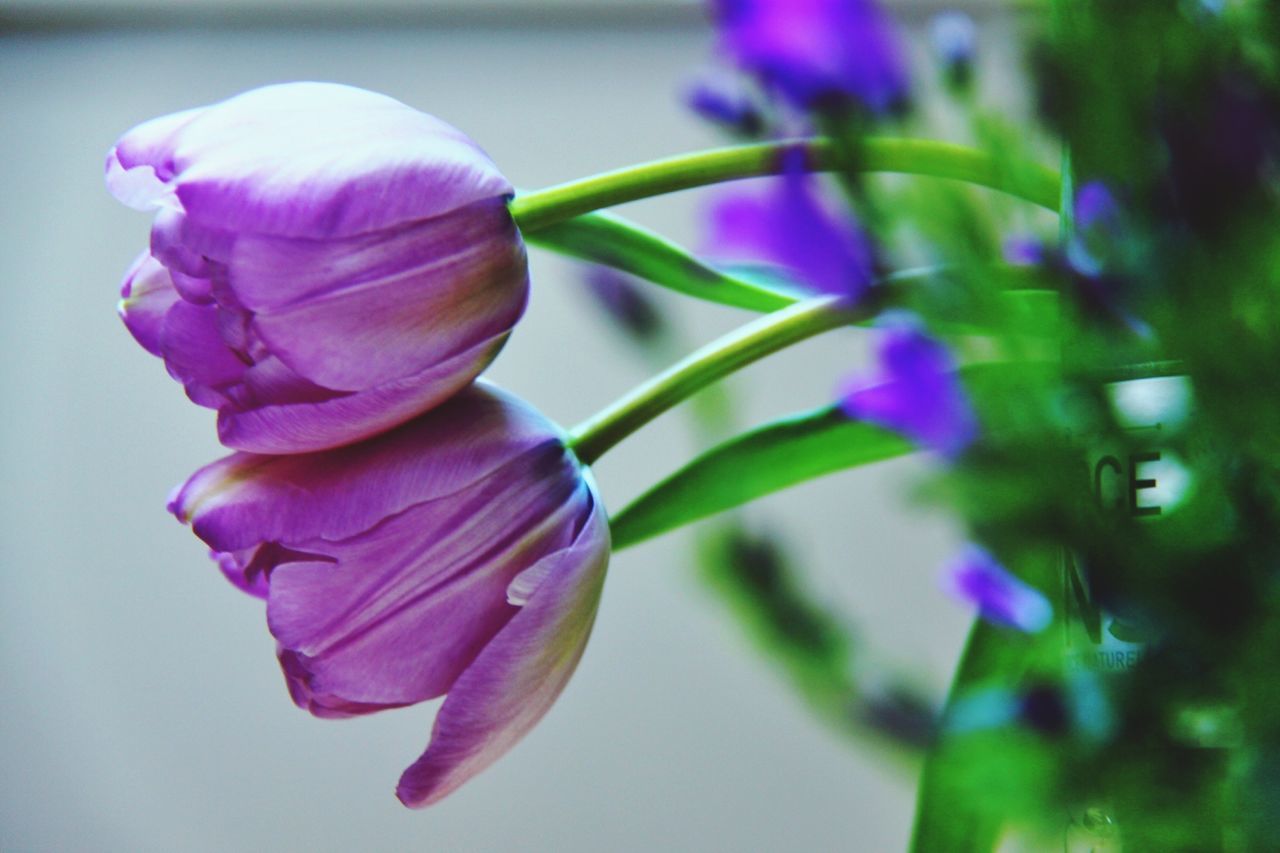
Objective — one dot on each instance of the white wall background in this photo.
(143, 709)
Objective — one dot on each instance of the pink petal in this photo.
(515, 680)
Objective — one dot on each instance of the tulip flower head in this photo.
(462, 553)
(325, 262)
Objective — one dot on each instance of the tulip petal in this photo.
(358, 313)
(237, 569)
(317, 160)
(146, 296)
(189, 249)
(518, 676)
(195, 354)
(245, 498)
(408, 605)
(141, 163)
(265, 423)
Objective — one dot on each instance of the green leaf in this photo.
(605, 238)
(756, 463)
(947, 816)
(977, 781)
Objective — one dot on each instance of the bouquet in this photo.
(1075, 316)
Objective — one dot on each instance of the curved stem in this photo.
(545, 207)
(591, 438)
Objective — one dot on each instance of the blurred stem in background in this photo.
(747, 564)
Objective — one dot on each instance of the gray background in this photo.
(143, 709)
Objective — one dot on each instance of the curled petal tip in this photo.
(519, 675)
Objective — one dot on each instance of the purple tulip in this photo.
(462, 553)
(792, 225)
(917, 394)
(325, 262)
(977, 578)
(817, 53)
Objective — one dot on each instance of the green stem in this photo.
(591, 438)
(546, 207)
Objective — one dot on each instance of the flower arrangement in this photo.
(1076, 321)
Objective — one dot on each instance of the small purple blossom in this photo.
(977, 578)
(625, 303)
(325, 262)
(1097, 228)
(723, 100)
(916, 393)
(791, 225)
(1098, 256)
(1024, 251)
(952, 35)
(816, 53)
(1095, 207)
(460, 554)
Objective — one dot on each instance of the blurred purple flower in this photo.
(977, 578)
(1097, 229)
(1100, 254)
(325, 262)
(723, 100)
(1024, 251)
(791, 225)
(625, 303)
(1095, 207)
(952, 36)
(461, 553)
(917, 393)
(816, 53)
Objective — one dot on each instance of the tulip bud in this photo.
(461, 553)
(325, 262)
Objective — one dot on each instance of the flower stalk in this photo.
(591, 438)
(546, 207)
